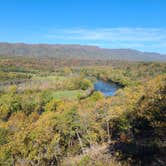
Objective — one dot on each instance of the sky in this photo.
(135, 24)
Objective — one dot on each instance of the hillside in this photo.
(77, 52)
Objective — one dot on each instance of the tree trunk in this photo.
(108, 131)
(80, 142)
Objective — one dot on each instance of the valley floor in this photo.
(51, 115)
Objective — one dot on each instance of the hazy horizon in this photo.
(88, 45)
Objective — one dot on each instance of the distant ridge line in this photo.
(77, 51)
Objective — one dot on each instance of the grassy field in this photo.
(50, 78)
(68, 94)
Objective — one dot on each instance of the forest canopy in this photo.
(51, 115)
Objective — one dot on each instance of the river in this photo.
(108, 89)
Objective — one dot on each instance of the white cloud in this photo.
(137, 38)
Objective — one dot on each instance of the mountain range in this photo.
(77, 52)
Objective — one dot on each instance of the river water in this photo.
(108, 89)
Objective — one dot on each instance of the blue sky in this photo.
(137, 24)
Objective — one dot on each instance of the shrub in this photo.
(85, 84)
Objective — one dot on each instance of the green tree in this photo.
(85, 84)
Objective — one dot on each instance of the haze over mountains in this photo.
(77, 51)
